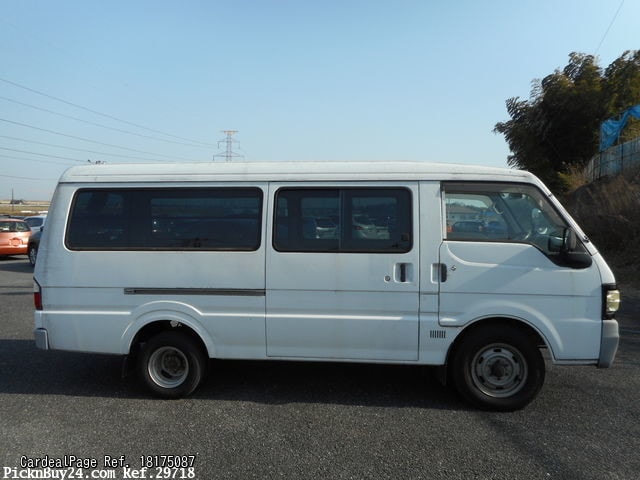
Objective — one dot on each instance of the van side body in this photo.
(468, 267)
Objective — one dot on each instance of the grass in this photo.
(28, 208)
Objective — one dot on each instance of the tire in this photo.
(498, 368)
(32, 252)
(172, 364)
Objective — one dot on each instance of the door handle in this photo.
(402, 272)
(438, 273)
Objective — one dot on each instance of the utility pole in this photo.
(229, 154)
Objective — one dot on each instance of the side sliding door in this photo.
(342, 271)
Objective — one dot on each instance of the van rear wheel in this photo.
(172, 364)
(498, 368)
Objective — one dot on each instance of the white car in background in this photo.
(35, 222)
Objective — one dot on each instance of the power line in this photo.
(77, 149)
(92, 141)
(42, 154)
(27, 178)
(609, 27)
(15, 157)
(95, 112)
(100, 125)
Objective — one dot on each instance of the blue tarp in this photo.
(610, 129)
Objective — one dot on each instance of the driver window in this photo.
(502, 213)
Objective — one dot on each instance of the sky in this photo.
(129, 81)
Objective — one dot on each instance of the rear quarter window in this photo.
(166, 219)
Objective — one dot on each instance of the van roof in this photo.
(287, 171)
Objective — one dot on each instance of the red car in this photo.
(14, 236)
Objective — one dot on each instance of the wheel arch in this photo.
(157, 317)
(531, 332)
(158, 326)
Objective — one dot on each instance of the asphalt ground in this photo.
(273, 420)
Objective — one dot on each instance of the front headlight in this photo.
(611, 301)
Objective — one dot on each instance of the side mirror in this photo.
(570, 254)
(569, 241)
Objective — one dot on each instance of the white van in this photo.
(470, 268)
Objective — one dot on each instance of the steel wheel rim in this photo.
(499, 370)
(32, 255)
(168, 367)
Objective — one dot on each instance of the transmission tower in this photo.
(229, 154)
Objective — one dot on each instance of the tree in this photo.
(557, 129)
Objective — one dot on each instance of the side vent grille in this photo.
(438, 334)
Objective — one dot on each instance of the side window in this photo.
(220, 219)
(358, 220)
(97, 220)
(502, 213)
(166, 219)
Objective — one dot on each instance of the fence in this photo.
(614, 160)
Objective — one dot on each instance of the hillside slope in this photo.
(609, 212)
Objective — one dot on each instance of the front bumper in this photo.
(608, 343)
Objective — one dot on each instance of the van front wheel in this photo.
(171, 364)
(498, 368)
